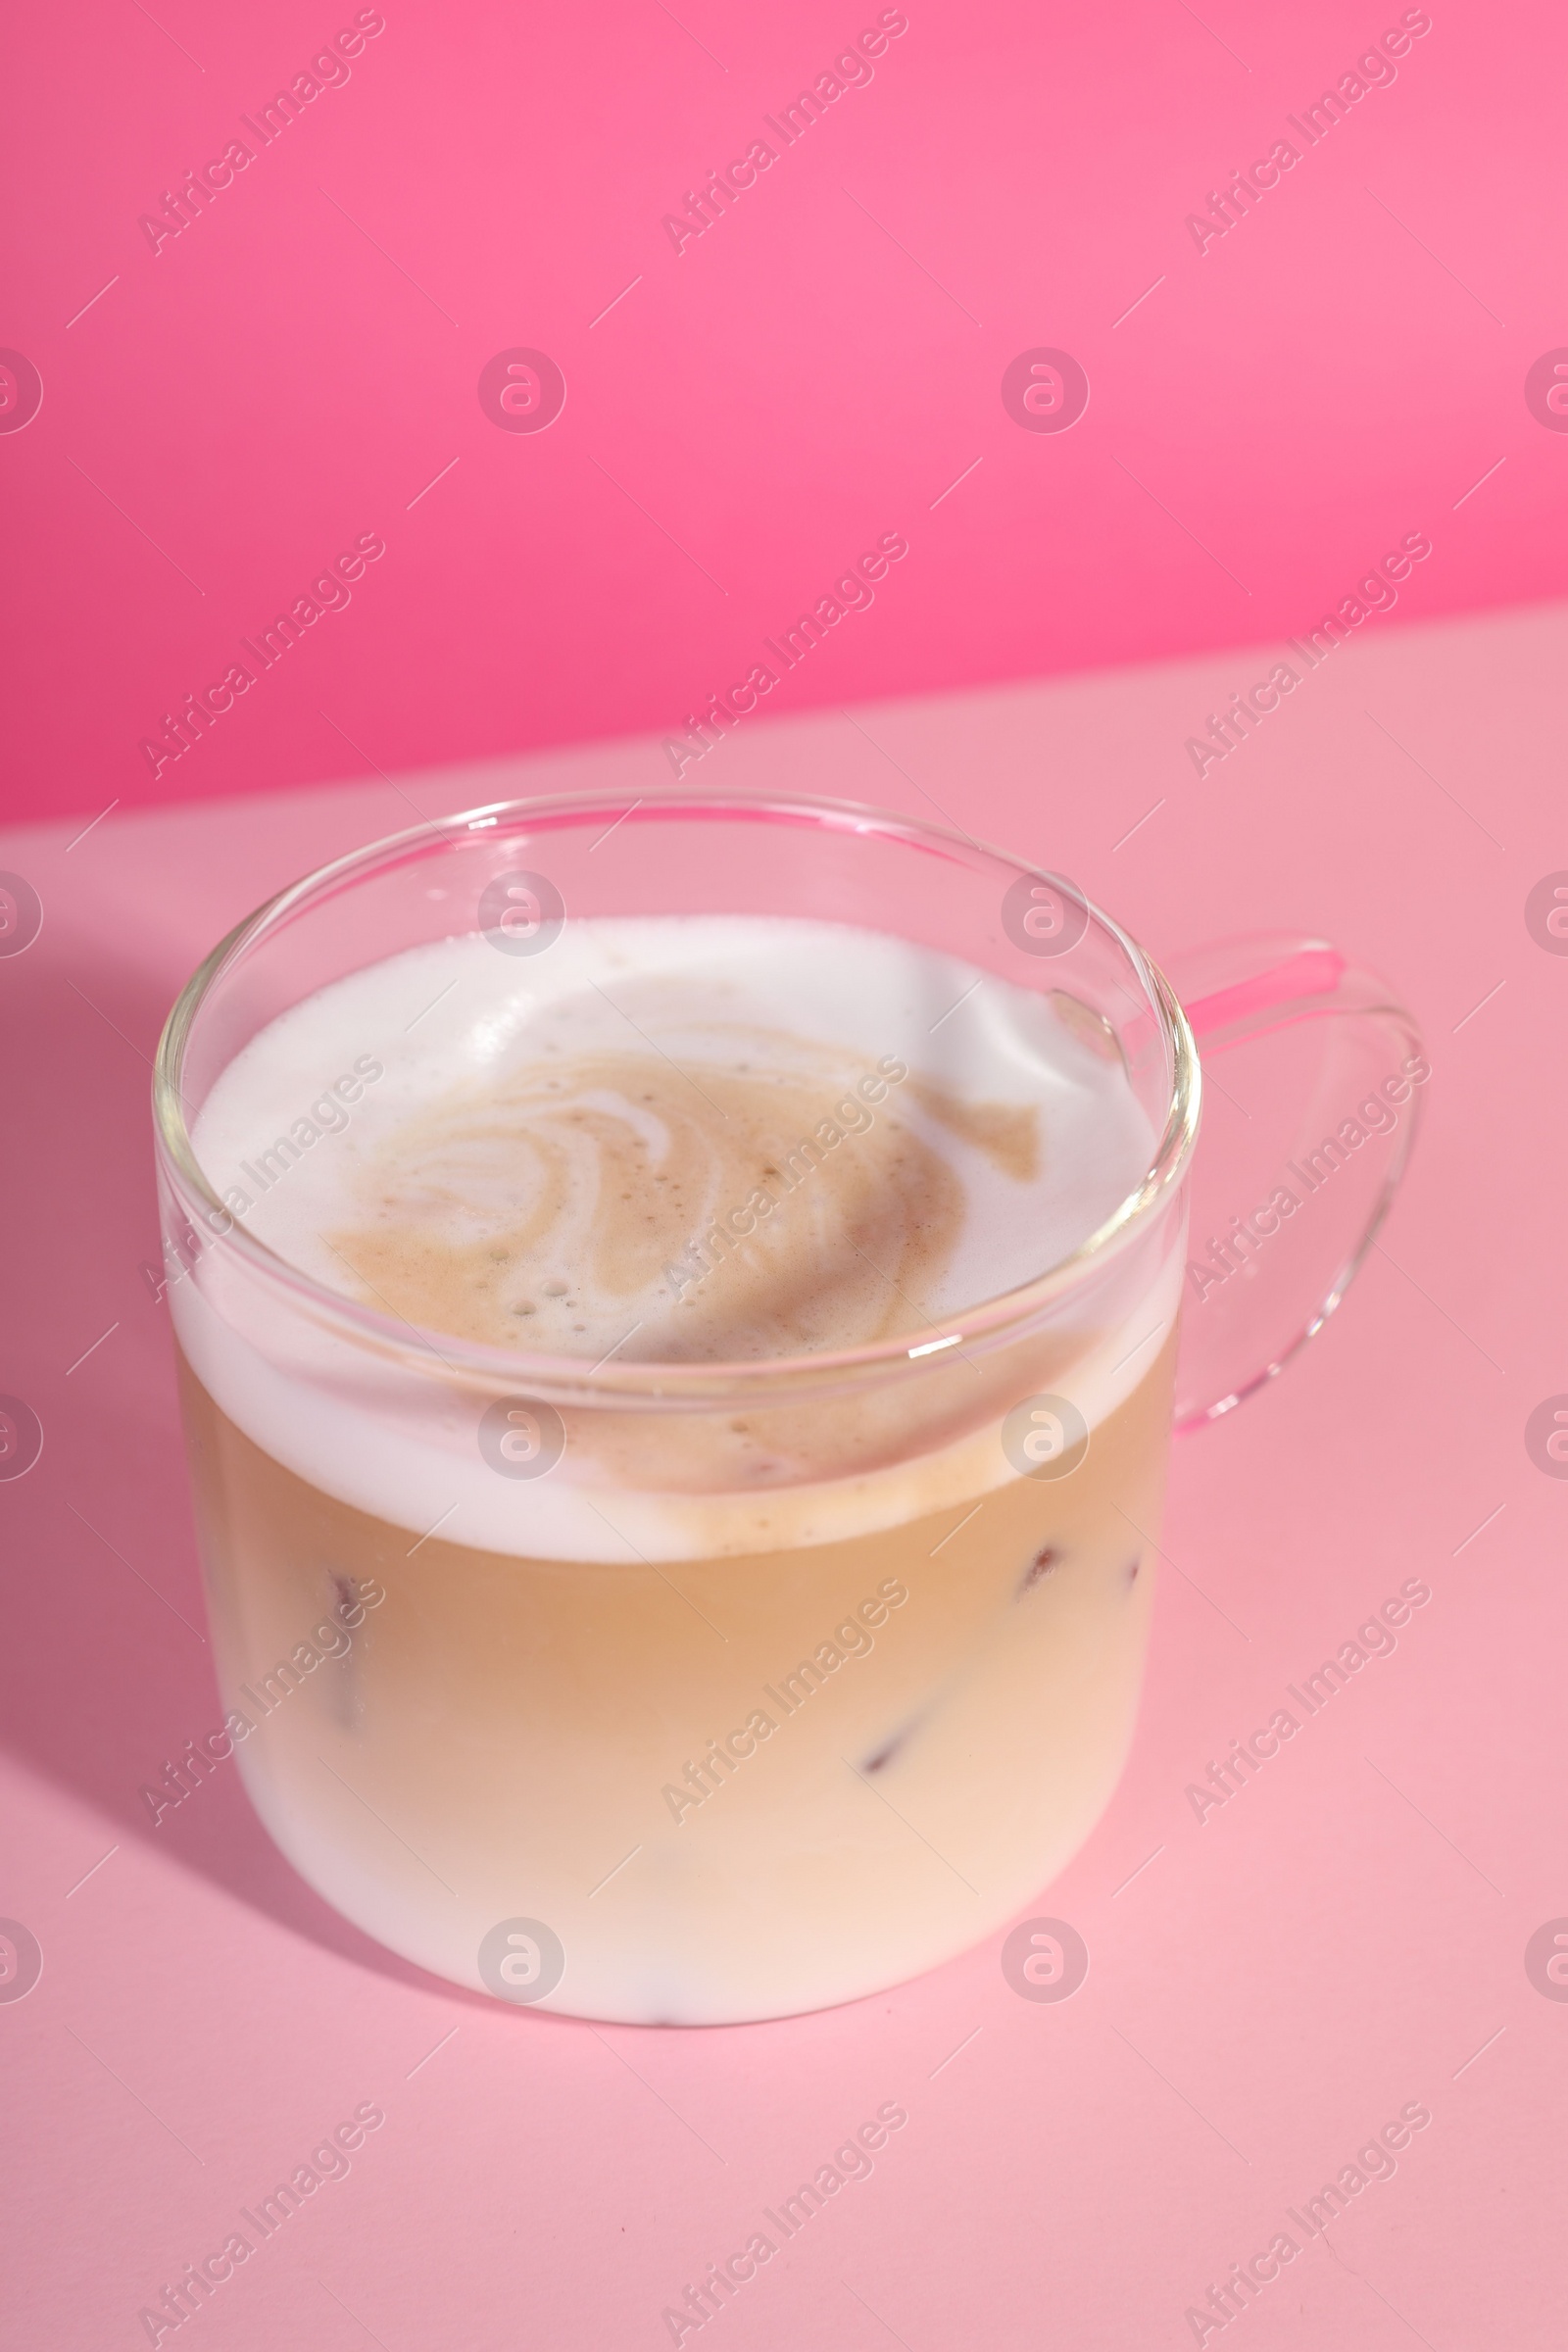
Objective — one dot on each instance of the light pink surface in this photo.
(300, 364)
(1270, 1987)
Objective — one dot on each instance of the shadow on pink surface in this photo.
(108, 1674)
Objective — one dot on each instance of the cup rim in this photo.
(990, 1322)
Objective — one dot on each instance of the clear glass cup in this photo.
(756, 1743)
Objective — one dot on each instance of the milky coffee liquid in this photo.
(755, 1708)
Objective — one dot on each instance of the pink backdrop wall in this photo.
(226, 408)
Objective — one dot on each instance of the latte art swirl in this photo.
(764, 1199)
(702, 1139)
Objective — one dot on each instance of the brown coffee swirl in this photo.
(767, 1199)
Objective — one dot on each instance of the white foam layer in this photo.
(461, 1013)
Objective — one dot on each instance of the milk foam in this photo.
(538, 1152)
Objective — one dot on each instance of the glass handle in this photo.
(1312, 1075)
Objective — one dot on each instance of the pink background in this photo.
(298, 365)
(1270, 1987)
(219, 421)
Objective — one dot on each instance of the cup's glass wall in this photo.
(528, 1668)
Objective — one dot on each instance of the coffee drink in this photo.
(708, 1702)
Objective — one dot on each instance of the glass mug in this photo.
(525, 1674)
